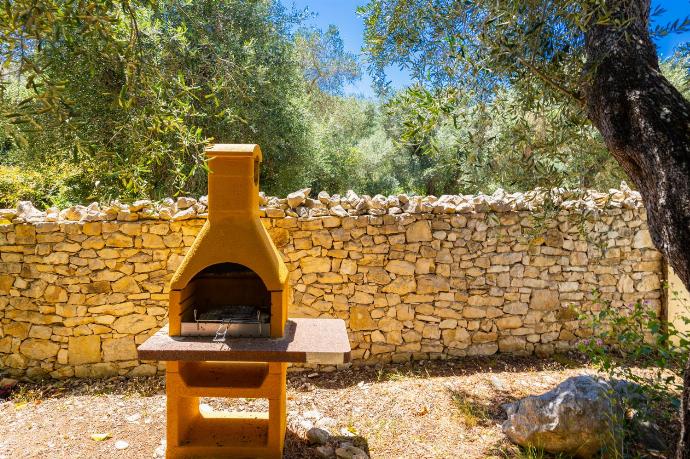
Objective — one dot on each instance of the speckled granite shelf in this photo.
(321, 341)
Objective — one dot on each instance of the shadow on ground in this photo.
(302, 380)
(307, 379)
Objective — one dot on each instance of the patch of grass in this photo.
(396, 376)
(492, 361)
(26, 394)
(393, 375)
(513, 451)
(127, 387)
(381, 426)
(350, 427)
(470, 412)
(529, 452)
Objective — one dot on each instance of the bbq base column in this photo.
(195, 433)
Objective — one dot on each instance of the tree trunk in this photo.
(645, 123)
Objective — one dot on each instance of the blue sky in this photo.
(342, 13)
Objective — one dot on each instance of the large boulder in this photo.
(581, 417)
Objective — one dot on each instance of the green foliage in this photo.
(327, 66)
(338, 125)
(498, 95)
(648, 354)
(352, 150)
(635, 336)
(31, 28)
(533, 452)
(43, 187)
(677, 69)
(470, 412)
(117, 100)
(460, 146)
(485, 44)
(136, 123)
(239, 81)
(479, 45)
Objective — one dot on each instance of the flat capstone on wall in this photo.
(413, 277)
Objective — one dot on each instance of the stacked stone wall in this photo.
(414, 278)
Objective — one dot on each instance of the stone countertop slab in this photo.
(322, 341)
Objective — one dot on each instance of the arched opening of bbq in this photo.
(226, 300)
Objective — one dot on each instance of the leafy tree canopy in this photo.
(327, 66)
(480, 44)
(107, 100)
(498, 98)
(132, 92)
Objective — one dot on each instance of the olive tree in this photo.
(129, 92)
(593, 56)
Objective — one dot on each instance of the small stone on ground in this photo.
(121, 444)
(325, 452)
(350, 452)
(317, 436)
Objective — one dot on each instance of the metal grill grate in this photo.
(237, 314)
(228, 321)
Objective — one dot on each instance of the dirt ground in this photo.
(438, 409)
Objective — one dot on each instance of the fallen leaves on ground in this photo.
(100, 436)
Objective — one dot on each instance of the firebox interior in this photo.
(226, 299)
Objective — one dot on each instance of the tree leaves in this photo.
(132, 92)
(325, 63)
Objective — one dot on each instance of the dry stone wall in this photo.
(414, 278)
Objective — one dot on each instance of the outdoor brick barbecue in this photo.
(228, 332)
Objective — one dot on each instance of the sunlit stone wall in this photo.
(413, 277)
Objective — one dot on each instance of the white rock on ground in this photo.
(121, 444)
(581, 417)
